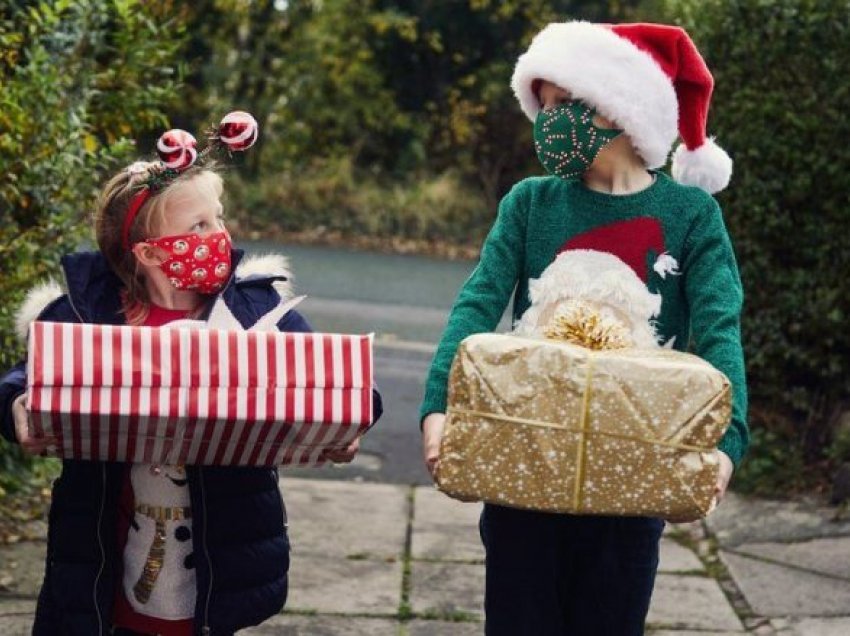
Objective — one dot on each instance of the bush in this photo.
(68, 111)
(779, 108)
(77, 79)
(332, 196)
(775, 465)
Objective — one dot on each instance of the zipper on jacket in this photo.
(102, 549)
(74, 307)
(206, 628)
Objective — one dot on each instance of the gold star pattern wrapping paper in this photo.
(547, 425)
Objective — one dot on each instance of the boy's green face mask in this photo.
(566, 139)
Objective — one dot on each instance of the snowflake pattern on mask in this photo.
(567, 141)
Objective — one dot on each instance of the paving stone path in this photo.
(386, 559)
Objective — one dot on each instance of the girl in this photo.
(606, 102)
(164, 254)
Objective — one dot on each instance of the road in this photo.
(390, 452)
(404, 300)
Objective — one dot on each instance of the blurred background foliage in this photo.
(70, 106)
(394, 119)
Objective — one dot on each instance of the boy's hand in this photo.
(343, 456)
(723, 476)
(432, 433)
(30, 445)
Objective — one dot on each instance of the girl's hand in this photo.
(723, 476)
(432, 433)
(30, 445)
(343, 456)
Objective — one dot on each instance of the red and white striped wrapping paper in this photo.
(195, 396)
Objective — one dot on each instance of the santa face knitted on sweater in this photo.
(601, 276)
(587, 285)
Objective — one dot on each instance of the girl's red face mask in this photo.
(196, 263)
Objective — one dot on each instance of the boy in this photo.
(607, 103)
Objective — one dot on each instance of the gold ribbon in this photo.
(631, 438)
(583, 430)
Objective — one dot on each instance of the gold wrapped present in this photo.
(547, 425)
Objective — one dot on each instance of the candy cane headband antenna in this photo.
(177, 150)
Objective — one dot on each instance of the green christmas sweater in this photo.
(543, 216)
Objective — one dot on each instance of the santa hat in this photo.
(649, 79)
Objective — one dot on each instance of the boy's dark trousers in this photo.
(557, 575)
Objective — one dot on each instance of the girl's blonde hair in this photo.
(110, 214)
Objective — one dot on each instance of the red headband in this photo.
(135, 205)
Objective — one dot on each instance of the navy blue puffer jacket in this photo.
(241, 548)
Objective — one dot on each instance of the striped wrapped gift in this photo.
(197, 396)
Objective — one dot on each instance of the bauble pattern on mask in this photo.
(195, 263)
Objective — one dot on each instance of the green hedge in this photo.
(78, 80)
(780, 109)
(332, 195)
(68, 113)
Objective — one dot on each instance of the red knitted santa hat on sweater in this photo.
(649, 79)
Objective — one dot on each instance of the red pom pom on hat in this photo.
(649, 79)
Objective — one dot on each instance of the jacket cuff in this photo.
(7, 419)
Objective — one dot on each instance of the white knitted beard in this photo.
(603, 281)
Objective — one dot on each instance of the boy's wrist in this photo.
(431, 418)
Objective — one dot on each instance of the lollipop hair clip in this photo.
(177, 150)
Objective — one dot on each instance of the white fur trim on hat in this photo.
(708, 167)
(611, 74)
(36, 301)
